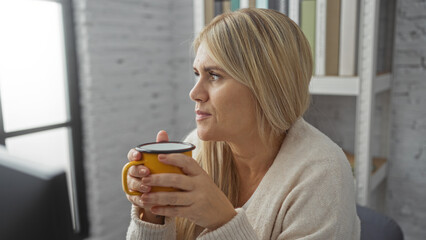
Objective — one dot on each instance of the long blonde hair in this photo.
(266, 51)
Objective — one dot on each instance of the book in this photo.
(320, 37)
(261, 3)
(244, 3)
(279, 5)
(235, 5)
(332, 38)
(226, 6)
(218, 7)
(307, 22)
(274, 4)
(385, 36)
(294, 8)
(283, 6)
(390, 36)
(247, 3)
(209, 10)
(348, 38)
(380, 38)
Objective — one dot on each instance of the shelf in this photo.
(379, 171)
(335, 85)
(346, 86)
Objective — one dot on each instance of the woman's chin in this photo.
(205, 134)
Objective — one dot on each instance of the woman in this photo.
(260, 171)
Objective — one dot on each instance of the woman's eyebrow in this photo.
(210, 68)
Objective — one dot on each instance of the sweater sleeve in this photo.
(322, 204)
(139, 230)
(239, 228)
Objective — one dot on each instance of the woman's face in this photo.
(225, 108)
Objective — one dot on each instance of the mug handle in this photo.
(124, 177)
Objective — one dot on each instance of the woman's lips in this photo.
(200, 115)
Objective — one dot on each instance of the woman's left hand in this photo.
(200, 200)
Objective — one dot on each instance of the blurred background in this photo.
(83, 81)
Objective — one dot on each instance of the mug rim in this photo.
(189, 147)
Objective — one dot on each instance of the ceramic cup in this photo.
(150, 153)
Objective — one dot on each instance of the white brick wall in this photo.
(406, 192)
(135, 75)
(182, 77)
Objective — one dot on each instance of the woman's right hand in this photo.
(135, 174)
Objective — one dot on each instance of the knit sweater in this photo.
(307, 193)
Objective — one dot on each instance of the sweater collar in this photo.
(257, 211)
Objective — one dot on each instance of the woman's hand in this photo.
(135, 174)
(200, 200)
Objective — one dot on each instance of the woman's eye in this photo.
(214, 77)
(197, 75)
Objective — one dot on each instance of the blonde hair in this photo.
(267, 52)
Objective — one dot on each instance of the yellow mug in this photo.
(150, 153)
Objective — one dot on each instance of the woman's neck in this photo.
(252, 156)
(252, 160)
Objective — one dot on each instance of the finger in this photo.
(188, 165)
(169, 211)
(134, 155)
(173, 180)
(168, 198)
(139, 171)
(162, 136)
(135, 184)
(137, 200)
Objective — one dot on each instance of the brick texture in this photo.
(406, 192)
(135, 75)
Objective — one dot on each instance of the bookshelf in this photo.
(335, 85)
(364, 85)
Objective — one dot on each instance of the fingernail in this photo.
(146, 180)
(145, 188)
(161, 156)
(145, 198)
(142, 171)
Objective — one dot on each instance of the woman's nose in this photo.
(198, 93)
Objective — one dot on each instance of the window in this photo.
(39, 101)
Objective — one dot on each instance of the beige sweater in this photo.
(308, 193)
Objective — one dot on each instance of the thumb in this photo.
(162, 136)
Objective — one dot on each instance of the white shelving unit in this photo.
(364, 87)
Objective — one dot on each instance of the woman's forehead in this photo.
(202, 59)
